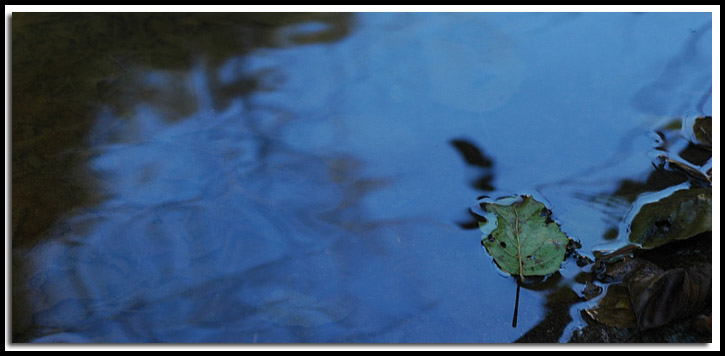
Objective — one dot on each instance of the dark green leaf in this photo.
(681, 215)
(615, 308)
(702, 129)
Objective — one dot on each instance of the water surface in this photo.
(307, 178)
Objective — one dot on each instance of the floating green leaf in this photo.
(526, 241)
(681, 215)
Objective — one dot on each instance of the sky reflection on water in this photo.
(309, 191)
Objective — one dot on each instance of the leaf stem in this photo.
(516, 306)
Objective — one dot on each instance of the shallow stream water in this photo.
(308, 178)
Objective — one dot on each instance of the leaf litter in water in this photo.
(640, 294)
(659, 297)
(646, 296)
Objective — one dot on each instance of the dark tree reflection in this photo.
(68, 65)
(69, 69)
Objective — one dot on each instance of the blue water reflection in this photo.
(325, 206)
